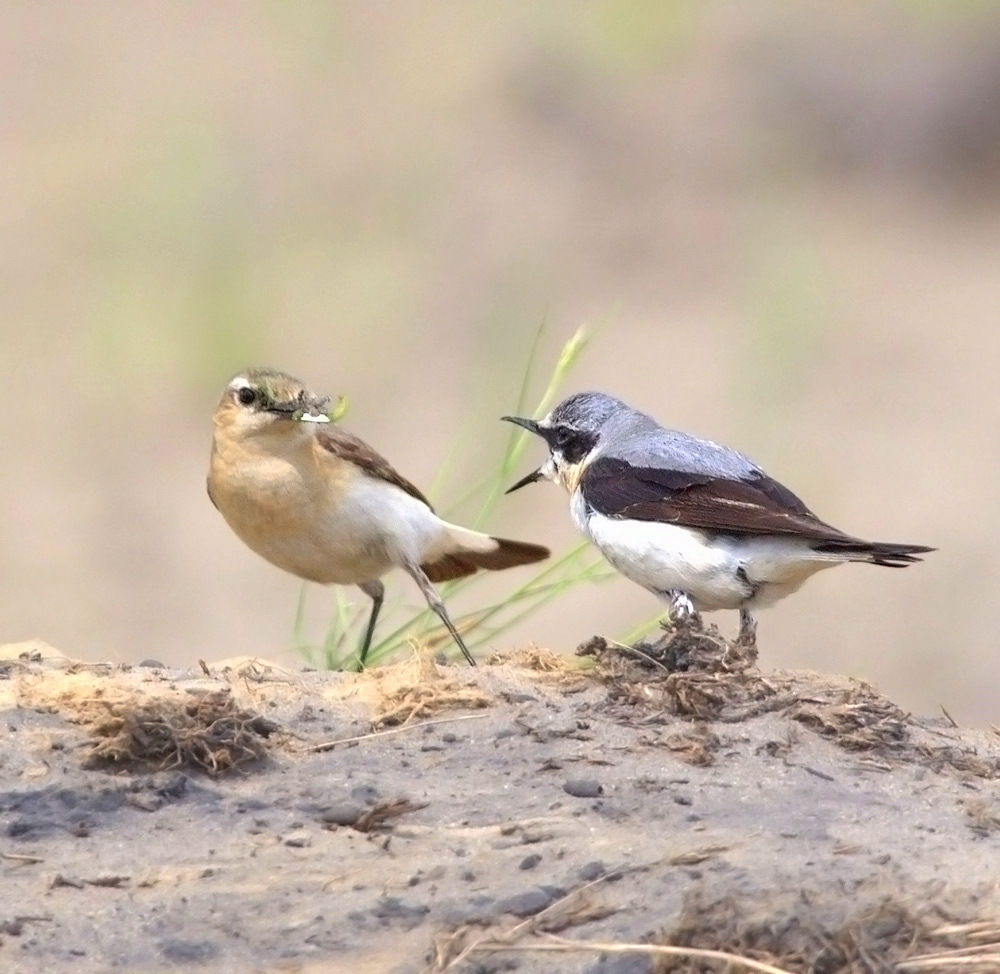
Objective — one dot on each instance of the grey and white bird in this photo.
(697, 524)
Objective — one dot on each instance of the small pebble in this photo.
(343, 813)
(399, 913)
(529, 862)
(153, 664)
(621, 965)
(592, 870)
(299, 839)
(529, 903)
(188, 951)
(145, 803)
(583, 788)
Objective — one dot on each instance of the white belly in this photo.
(715, 571)
(378, 520)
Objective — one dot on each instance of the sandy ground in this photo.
(486, 820)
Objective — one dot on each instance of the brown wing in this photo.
(348, 447)
(615, 488)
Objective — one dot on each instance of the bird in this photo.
(697, 524)
(320, 503)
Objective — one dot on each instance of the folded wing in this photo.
(755, 504)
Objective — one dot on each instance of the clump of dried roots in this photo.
(692, 671)
(210, 732)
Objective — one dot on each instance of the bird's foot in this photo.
(681, 611)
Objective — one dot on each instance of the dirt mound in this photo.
(628, 811)
(699, 676)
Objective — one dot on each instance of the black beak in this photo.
(529, 424)
(532, 426)
(524, 481)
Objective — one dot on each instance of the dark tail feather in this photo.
(507, 554)
(877, 552)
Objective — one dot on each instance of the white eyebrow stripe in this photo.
(240, 382)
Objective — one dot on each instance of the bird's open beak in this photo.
(532, 477)
(530, 425)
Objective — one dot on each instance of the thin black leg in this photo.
(376, 590)
(434, 601)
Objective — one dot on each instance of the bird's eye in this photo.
(563, 436)
(246, 395)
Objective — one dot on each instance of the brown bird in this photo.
(320, 503)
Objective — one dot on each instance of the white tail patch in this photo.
(472, 541)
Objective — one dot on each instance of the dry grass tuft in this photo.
(713, 935)
(533, 658)
(885, 939)
(858, 719)
(960, 759)
(209, 732)
(970, 947)
(419, 688)
(385, 811)
(695, 746)
(983, 816)
(577, 907)
(543, 667)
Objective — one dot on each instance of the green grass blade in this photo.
(640, 631)
(558, 576)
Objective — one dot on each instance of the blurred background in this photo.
(782, 223)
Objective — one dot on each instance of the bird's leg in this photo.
(681, 611)
(437, 606)
(748, 629)
(376, 591)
